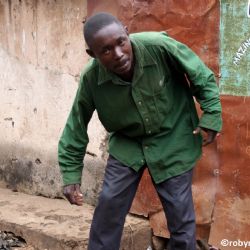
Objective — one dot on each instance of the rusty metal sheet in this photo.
(192, 22)
(111, 6)
(189, 22)
(231, 218)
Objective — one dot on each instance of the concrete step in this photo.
(54, 224)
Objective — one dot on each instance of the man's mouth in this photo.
(122, 66)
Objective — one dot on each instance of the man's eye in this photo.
(106, 51)
(121, 42)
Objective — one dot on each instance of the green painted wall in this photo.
(235, 47)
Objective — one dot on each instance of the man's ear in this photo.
(90, 53)
(126, 29)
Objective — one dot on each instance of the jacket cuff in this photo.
(211, 121)
(72, 178)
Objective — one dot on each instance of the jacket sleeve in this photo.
(202, 81)
(74, 139)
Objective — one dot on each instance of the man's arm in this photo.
(202, 84)
(73, 143)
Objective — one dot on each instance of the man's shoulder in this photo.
(150, 38)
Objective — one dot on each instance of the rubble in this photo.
(8, 240)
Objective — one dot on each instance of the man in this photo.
(138, 86)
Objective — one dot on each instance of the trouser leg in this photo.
(119, 188)
(176, 197)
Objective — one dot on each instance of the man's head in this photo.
(108, 41)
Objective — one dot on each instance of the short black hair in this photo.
(96, 22)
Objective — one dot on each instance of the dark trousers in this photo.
(119, 188)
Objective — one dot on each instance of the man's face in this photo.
(111, 45)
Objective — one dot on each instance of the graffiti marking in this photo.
(241, 51)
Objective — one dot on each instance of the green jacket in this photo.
(150, 120)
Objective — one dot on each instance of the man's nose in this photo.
(118, 53)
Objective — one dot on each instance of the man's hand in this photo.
(211, 134)
(73, 194)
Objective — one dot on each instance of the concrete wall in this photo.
(41, 56)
